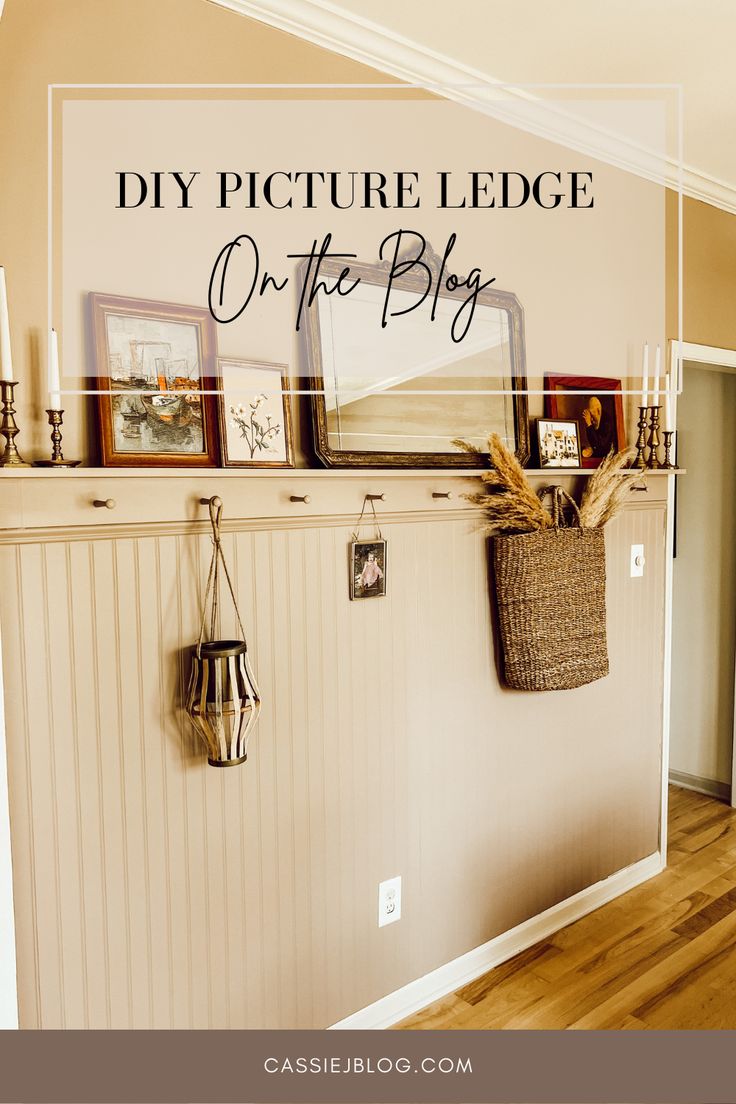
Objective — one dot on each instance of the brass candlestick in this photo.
(654, 437)
(11, 458)
(641, 441)
(56, 419)
(668, 435)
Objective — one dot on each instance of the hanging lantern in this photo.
(223, 701)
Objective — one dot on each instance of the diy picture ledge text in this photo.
(281, 190)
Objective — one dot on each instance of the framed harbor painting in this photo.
(255, 414)
(154, 364)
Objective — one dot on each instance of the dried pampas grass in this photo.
(512, 506)
(607, 490)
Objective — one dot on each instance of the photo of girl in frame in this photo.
(367, 569)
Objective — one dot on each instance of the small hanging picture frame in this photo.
(367, 569)
(367, 561)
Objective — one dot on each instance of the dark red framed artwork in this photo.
(599, 413)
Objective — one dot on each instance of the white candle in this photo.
(645, 375)
(54, 380)
(667, 408)
(657, 363)
(6, 361)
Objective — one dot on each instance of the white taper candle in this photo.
(54, 378)
(645, 375)
(6, 360)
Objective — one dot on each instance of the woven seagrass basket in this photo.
(551, 596)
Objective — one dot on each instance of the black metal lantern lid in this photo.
(220, 649)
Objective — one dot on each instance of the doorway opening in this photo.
(704, 580)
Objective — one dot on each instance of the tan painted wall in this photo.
(125, 861)
(709, 273)
(154, 891)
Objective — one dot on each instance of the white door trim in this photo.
(709, 357)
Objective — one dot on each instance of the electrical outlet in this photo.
(637, 561)
(389, 901)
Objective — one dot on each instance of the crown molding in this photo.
(324, 24)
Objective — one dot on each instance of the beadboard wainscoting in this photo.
(153, 891)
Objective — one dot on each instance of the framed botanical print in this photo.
(598, 412)
(255, 414)
(155, 363)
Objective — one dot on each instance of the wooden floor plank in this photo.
(438, 1015)
(506, 1004)
(477, 990)
(661, 956)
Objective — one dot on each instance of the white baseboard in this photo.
(446, 979)
(708, 786)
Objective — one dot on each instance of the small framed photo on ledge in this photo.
(367, 569)
(595, 403)
(559, 443)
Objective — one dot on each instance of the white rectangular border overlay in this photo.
(461, 92)
(594, 895)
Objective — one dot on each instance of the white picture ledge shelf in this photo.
(93, 503)
(195, 474)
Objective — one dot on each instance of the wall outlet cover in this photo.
(637, 561)
(389, 901)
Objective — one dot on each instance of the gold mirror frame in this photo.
(376, 274)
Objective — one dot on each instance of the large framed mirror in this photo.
(398, 396)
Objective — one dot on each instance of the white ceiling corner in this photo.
(331, 27)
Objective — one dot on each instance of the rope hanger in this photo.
(213, 578)
(377, 527)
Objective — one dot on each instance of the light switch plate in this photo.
(637, 561)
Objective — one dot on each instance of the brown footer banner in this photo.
(474, 1067)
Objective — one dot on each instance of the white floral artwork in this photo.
(257, 430)
(254, 416)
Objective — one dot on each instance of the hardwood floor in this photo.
(661, 956)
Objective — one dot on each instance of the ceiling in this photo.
(686, 42)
